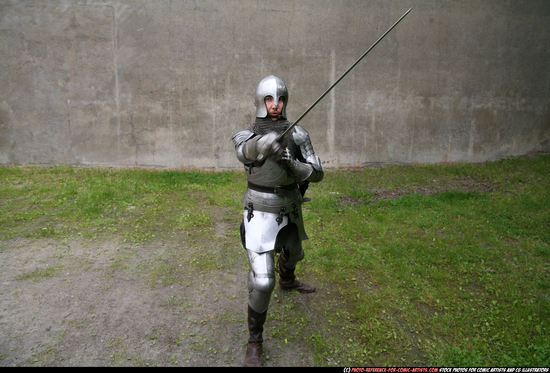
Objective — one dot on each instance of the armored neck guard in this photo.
(265, 125)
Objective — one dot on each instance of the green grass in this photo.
(418, 265)
(38, 274)
(449, 265)
(59, 201)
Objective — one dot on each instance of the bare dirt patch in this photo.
(464, 185)
(82, 303)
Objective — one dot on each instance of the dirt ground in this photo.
(81, 302)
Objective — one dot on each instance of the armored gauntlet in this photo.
(301, 171)
(267, 145)
(252, 148)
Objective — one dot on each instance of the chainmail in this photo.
(265, 125)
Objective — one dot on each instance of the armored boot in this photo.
(253, 357)
(287, 279)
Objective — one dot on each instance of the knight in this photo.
(278, 171)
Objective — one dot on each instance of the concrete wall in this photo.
(166, 83)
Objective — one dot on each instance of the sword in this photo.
(341, 77)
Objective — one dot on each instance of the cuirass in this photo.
(271, 173)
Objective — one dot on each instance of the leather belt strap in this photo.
(273, 190)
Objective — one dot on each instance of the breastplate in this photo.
(269, 174)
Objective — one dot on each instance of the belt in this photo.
(273, 190)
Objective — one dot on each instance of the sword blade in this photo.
(342, 76)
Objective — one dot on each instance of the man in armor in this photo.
(278, 172)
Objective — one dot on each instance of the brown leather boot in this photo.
(253, 357)
(287, 279)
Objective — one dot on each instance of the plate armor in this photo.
(272, 215)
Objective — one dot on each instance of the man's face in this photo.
(274, 110)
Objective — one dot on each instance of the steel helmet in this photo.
(270, 86)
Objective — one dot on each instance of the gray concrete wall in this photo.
(166, 83)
